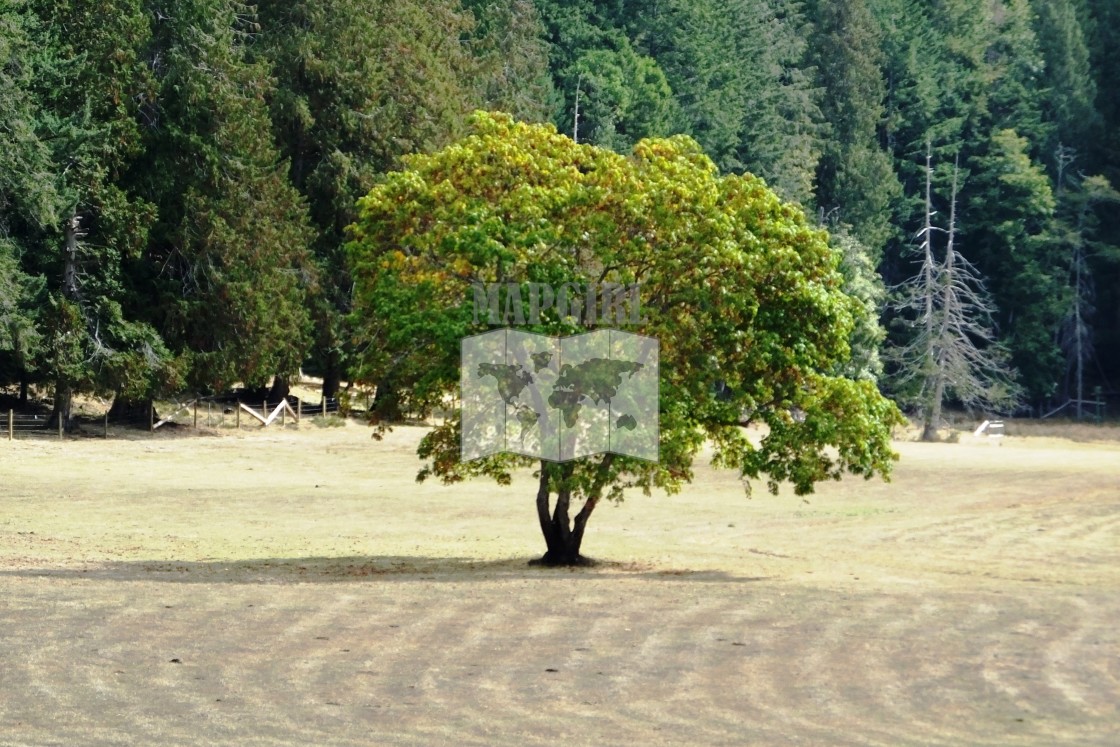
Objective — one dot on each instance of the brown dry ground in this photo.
(298, 588)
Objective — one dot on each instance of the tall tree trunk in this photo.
(63, 402)
(63, 389)
(332, 376)
(280, 389)
(1078, 331)
(929, 360)
(933, 416)
(386, 404)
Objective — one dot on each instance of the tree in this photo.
(1075, 234)
(742, 293)
(20, 340)
(25, 197)
(612, 94)
(358, 84)
(696, 43)
(618, 97)
(226, 271)
(782, 123)
(1068, 89)
(82, 221)
(863, 284)
(953, 350)
(855, 176)
(511, 57)
(1008, 219)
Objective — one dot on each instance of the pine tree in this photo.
(358, 85)
(511, 57)
(86, 221)
(855, 178)
(782, 123)
(691, 40)
(1067, 88)
(226, 271)
(612, 93)
(1075, 234)
(26, 199)
(1007, 221)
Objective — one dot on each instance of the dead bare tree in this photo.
(953, 351)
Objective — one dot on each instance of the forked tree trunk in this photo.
(563, 537)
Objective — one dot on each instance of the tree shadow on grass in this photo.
(359, 569)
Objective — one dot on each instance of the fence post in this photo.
(208, 404)
(196, 414)
(324, 404)
(152, 417)
(299, 410)
(106, 424)
(60, 424)
(284, 415)
(238, 414)
(11, 424)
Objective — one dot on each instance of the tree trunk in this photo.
(132, 411)
(386, 404)
(23, 387)
(563, 537)
(280, 389)
(63, 390)
(332, 377)
(933, 416)
(63, 402)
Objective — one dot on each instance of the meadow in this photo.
(297, 586)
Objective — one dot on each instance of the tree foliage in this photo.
(226, 271)
(177, 175)
(736, 284)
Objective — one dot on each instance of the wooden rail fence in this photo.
(267, 414)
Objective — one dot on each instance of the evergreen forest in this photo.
(177, 176)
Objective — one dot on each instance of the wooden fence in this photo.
(209, 412)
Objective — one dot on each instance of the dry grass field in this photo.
(297, 587)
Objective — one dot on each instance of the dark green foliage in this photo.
(856, 184)
(1008, 218)
(358, 84)
(76, 215)
(177, 176)
(25, 198)
(511, 57)
(225, 274)
(1068, 90)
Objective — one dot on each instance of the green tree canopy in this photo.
(742, 293)
(74, 87)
